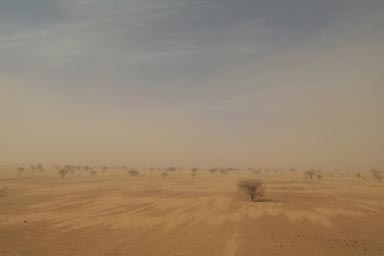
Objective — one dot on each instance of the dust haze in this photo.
(191, 127)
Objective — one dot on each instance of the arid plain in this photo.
(114, 212)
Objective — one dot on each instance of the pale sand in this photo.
(115, 214)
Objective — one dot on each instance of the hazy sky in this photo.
(289, 83)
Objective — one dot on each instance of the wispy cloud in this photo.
(253, 77)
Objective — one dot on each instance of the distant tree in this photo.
(171, 169)
(253, 187)
(40, 167)
(133, 173)
(377, 174)
(165, 174)
(93, 173)
(63, 173)
(87, 168)
(212, 170)
(194, 172)
(310, 173)
(223, 171)
(20, 170)
(104, 169)
(33, 169)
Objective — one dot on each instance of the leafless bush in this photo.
(20, 170)
(212, 171)
(253, 187)
(63, 173)
(377, 174)
(171, 169)
(33, 169)
(223, 171)
(310, 173)
(87, 168)
(133, 173)
(194, 172)
(165, 174)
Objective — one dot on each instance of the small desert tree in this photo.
(223, 171)
(171, 169)
(20, 170)
(40, 167)
(212, 171)
(253, 187)
(165, 174)
(63, 173)
(377, 174)
(310, 173)
(194, 172)
(33, 169)
(133, 173)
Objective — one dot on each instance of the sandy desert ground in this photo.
(113, 213)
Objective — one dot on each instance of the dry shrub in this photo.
(212, 171)
(20, 170)
(253, 187)
(310, 173)
(63, 173)
(133, 173)
(377, 174)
